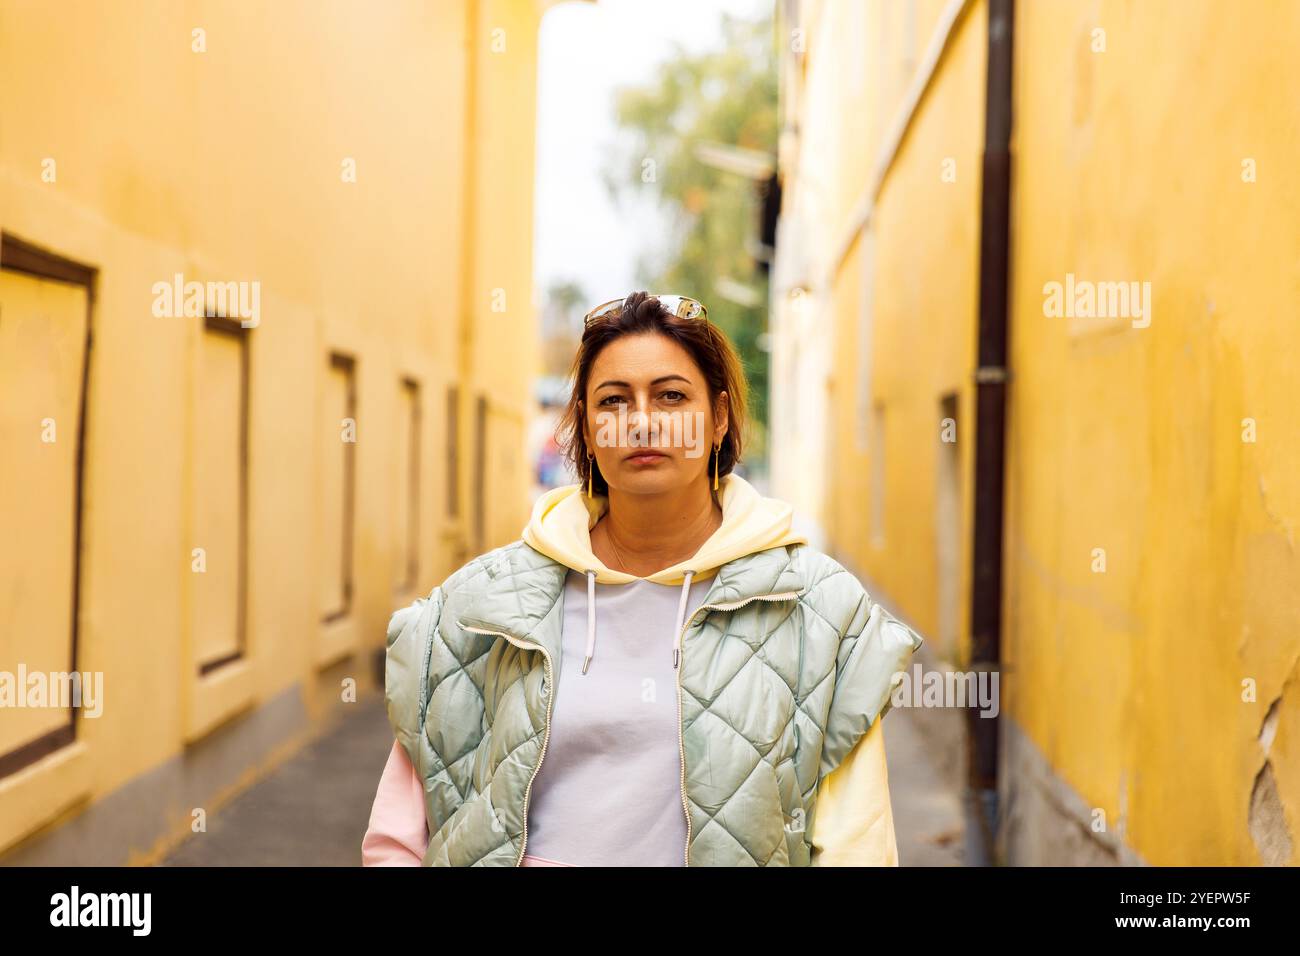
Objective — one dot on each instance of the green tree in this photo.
(563, 303)
(721, 98)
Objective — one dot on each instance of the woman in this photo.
(661, 672)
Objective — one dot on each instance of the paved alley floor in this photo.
(313, 810)
(928, 817)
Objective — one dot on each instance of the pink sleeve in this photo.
(398, 833)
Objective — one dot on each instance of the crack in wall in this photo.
(1267, 817)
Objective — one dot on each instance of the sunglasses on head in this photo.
(682, 306)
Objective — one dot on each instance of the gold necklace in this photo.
(617, 554)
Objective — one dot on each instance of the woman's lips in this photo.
(645, 457)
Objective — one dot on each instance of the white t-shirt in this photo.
(608, 792)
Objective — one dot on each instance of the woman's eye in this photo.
(673, 395)
(610, 400)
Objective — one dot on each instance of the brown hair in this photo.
(710, 348)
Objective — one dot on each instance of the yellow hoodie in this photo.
(854, 822)
(562, 519)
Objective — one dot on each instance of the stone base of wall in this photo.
(1042, 821)
(140, 820)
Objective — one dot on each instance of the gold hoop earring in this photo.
(591, 468)
(716, 449)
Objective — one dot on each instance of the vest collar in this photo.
(520, 594)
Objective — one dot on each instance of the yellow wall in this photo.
(922, 343)
(228, 165)
(1127, 165)
(1130, 439)
(896, 318)
(499, 298)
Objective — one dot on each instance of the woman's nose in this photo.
(638, 420)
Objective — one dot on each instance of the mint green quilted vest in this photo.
(784, 666)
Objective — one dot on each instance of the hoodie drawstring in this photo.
(681, 618)
(591, 619)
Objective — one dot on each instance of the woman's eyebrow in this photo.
(659, 380)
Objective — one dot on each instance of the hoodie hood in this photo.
(562, 519)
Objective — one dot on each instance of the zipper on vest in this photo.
(681, 733)
(424, 671)
(546, 733)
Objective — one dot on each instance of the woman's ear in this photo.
(586, 426)
(721, 417)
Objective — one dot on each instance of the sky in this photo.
(587, 50)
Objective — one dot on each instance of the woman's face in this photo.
(648, 418)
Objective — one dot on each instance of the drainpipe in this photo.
(990, 412)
